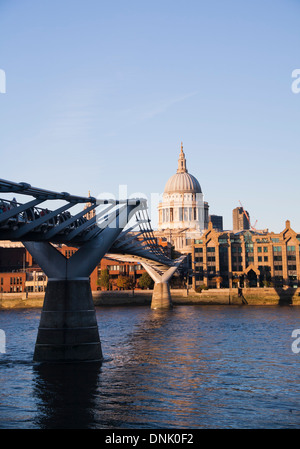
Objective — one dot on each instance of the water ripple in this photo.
(192, 367)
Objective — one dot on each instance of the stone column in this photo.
(243, 245)
(217, 256)
(284, 264)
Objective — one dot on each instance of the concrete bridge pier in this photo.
(68, 330)
(161, 297)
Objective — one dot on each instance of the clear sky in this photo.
(101, 93)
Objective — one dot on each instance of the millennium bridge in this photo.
(68, 329)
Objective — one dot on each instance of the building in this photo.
(247, 258)
(240, 219)
(217, 222)
(91, 213)
(19, 272)
(183, 213)
(13, 282)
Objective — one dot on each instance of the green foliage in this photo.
(200, 288)
(145, 281)
(103, 280)
(125, 282)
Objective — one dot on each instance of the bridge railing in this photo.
(21, 221)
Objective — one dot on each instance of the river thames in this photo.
(194, 367)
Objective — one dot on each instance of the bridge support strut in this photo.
(68, 330)
(161, 297)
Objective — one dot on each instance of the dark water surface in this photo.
(192, 367)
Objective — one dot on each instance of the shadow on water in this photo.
(66, 394)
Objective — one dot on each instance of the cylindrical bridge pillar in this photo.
(68, 330)
(161, 297)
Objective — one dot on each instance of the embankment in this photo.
(250, 296)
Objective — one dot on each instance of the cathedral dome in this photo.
(182, 181)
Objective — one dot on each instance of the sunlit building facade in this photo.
(247, 258)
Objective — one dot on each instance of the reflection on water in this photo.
(191, 367)
(65, 394)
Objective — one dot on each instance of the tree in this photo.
(103, 280)
(125, 282)
(145, 281)
(218, 280)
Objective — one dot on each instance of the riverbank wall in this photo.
(250, 296)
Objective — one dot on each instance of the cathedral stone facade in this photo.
(183, 213)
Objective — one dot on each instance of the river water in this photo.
(194, 367)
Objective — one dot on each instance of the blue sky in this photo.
(100, 94)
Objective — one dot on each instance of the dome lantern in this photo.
(182, 181)
(182, 162)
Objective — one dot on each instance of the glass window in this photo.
(265, 249)
(259, 249)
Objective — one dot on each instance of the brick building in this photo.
(12, 282)
(19, 272)
(247, 258)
